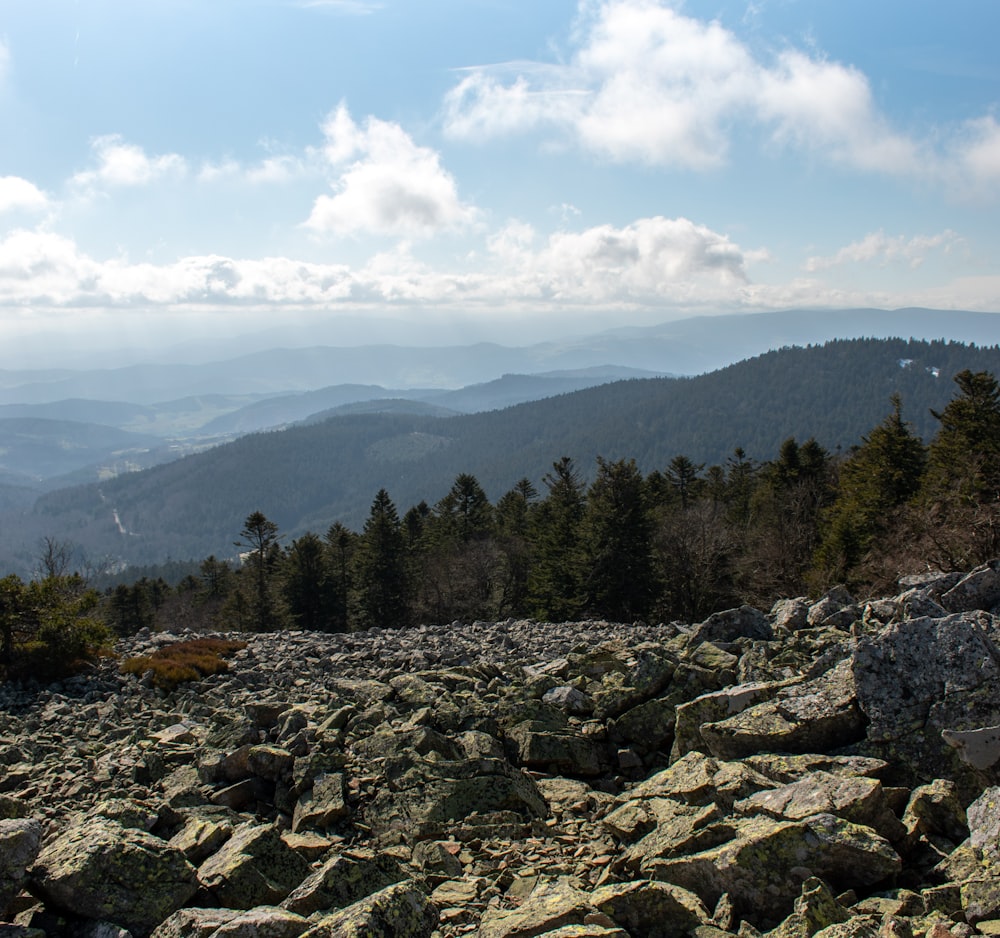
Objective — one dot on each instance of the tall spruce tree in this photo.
(555, 582)
(881, 475)
(964, 457)
(620, 583)
(308, 585)
(380, 568)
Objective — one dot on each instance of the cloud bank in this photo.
(647, 84)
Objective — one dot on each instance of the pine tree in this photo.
(380, 568)
(308, 585)
(619, 564)
(964, 457)
(555, 582)
(880, 476)
(262, 556)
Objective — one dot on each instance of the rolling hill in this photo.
(308, 476)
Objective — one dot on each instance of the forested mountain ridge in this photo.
(307, 477)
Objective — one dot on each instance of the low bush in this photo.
(184, 661)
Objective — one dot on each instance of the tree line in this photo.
(676, 543)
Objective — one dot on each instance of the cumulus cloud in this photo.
(385, 183)
(652, 261)
(121, 164)
(17, 194)
(882, 249)
(974, 162)
(649, 84)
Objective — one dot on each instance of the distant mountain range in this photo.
(328, 468)
(685, 347)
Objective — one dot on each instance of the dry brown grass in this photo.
(184, 661)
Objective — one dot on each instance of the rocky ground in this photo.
(828, 767)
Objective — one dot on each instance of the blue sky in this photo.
(349, 171)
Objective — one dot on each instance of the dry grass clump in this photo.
(184, 661)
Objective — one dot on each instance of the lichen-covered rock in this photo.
(714, 707)
(978, 589)
(935, 674)
(560, 751)
(263, 922)
(655, 910)
(762, 867)
(321, 806)
(398, 911)
(935, 810)
(699, 779)
(728, 626)
(342, 880)
(815, 716)
(100, 870)
(194, 923)
(201, 836)
(424, 797)
(254, 867)
(861, 800)
(20, 840)
(815, 909)
(550, 906)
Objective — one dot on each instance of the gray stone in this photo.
(20, 841)
(398, 911)
(254, 867)
(978, 589)
(342, 880)
(100, 870)
(861, 800)
(733, 624)
(321, 806)
(815, 716)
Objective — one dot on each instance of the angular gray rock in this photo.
(20, 841)
(254, 867)
(100, 870)
(398, 911)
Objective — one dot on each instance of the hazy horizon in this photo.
(389, 171)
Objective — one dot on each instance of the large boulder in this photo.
(398, 911)
(861, 800)
(254, 867)
(100, 870)
(815, 716)
(20, 841)
(424, 797)
(343, 879)
(935, 674)
(762, 867)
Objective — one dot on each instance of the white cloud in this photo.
(385, 184)
(272, 170)
(653, 260)
(881, 249)
(828, 107)
(125, 164)
(17, 194)
(974, 163)
(649, 84)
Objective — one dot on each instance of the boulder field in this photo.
(829, 768)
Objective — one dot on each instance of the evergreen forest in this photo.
(675, 543)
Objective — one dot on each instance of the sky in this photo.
(446, 171)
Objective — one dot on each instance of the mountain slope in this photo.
(309, 476)
(690, 346)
